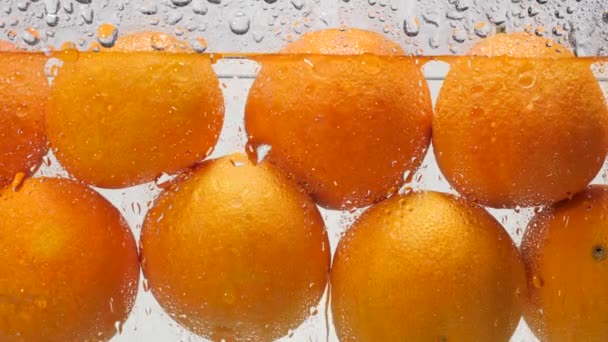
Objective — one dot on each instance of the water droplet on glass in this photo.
(411, 26)
(542, 2)
(148, 8)
(298, 4)
(527, 79)
(107, 34)
(174, 18)
(68, 7)
(258, 36)
(87, 15)
(482, 29)
(537, 281)
(217, 2)
(459, 36)
(532, 12)
(434, 42)
(199, 7)
(181, 3)
(455, 15)
(118, 327)
(240, 23)
(199, 45)
(30, 37)
(22, 6)
(605, 17)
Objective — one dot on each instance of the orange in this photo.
(426, 267)
(118, 119)
(348, 127)
(69, 269)
(236, 252)
(525, 128)
(564, 250)
(24, 90)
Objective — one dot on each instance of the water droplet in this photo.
(217, 2)
(51, 20)
(107, 34)
(459, 36)
(240, 23)
(537, 281)
(532, 12)
(17, 181)
(68, 7)
(30, 36)
(542, 2)
(23, 6)
(482, 29)
(181, 3)
(527, 79)
(118, 326)
(298, 4)
(199, 7)
(174, 18)
(148, 8)
(199, 45)
(411, 26)
(87, 15)
(258, 36)
(51, 6)
(455, 15)
(605, 17)
(599, 252)
(434, 42)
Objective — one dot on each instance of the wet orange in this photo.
(236, 252)
(119, 119)
(426, 267)
(347, 127)
(24, 90)
(69, 269)
(564, 250)
(528, 127)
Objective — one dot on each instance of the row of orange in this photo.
(506, 132)
(236, 251)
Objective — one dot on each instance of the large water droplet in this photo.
(411, 26)
(240, 23)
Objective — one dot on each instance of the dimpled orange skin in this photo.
(426, 267)
(236, 252)
(121, 119)
(564, 250)
(509, 132)
(347, 127)
(24, 91)
(70, 269)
